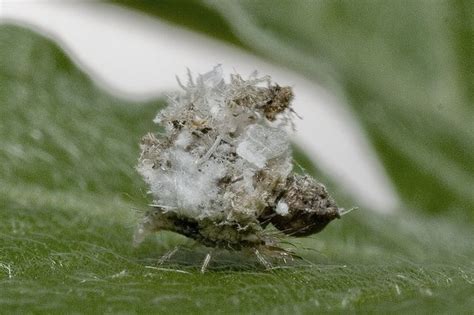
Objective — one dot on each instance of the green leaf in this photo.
(68, 196)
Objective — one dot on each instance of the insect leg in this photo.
(205, 263)
(262, 260)
(167, 256)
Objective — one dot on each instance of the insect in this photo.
(222, 170)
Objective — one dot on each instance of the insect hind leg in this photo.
(261, 259)
(274, 252)
(167, 256)
(206, 262)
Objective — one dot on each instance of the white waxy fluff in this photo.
(282, 208)
(259, 144)
(216, 145)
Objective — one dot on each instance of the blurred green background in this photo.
(68, 187)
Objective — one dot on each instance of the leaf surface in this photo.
(69, 194)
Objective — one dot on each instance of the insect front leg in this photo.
(167, 256)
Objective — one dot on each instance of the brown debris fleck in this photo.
(279, 101)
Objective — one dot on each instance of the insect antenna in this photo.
(343, 211)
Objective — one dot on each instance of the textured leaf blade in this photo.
(67, 247)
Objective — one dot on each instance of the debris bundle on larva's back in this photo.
(222, 170)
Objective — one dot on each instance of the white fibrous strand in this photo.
(222, 169)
